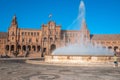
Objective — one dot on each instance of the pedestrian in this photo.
(115, 61)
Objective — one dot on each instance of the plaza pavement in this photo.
(19, 70)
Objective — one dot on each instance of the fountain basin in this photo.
(78, 59)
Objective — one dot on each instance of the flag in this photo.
(50, 15)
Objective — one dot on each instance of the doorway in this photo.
(43, 53)
(52, 48)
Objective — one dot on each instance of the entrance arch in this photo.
(34, 48)
(52, 48)
(12, 47)
(43, 52)
(7, 47)
(24, 48)
(19, 47)
(38, 48)
(115, 48)
(110, 47)
(29, 47)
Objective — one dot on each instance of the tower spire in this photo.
(14, 21)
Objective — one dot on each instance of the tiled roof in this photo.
(70, 31)
(105, 37)
(3, 34)
(30, 29)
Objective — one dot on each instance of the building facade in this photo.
(3, 37)
(37, 43)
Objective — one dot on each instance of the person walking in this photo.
(115, 61)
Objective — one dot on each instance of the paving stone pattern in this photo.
(18, 70)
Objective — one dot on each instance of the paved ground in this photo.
(18, 70)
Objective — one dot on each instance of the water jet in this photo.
(83, 51)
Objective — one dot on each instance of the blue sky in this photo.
(102, 16)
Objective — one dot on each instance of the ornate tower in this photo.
(50, 37)
(13, 33)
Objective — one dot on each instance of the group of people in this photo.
(4, 56)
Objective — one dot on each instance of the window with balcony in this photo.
(23, 40)
(36, 40)
(28, 33)
(12, 38)
(51, 39)
(45, 39)
(37, 33)
(31, 33)
(30, 40)
(22, 33)
(25, 33)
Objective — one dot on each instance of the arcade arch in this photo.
(52, 48)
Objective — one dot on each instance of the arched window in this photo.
(12, 38)
(37, 33)
(7, 47)
(38, 48)
(51, 39)
(31, 33)
(56, 39)
(22, 33)
(30, 40)
(25, 33)
(36, 40)
(109, 47)
(19, 47)
(45, 39)
(23, 40)
(29, 48)
(24, 48)
(34, 33)
(12, 47)
(53, 47)
(28, 33)
(34, 48)
(115, 48)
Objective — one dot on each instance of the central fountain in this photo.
(83, 52)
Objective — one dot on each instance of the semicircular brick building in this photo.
(40, 42)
